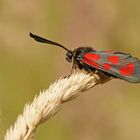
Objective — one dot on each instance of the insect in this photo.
(107, 64)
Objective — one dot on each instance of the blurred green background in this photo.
(106, 112)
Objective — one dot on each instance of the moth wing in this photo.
(121, 65)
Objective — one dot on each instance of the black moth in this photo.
(106, 65)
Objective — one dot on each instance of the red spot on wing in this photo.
(106, 66)
(127, 70)
(92, 56)
(114, 59)
(91, 63)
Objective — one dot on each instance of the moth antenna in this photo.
(44, 40)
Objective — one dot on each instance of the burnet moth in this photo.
(110, 64)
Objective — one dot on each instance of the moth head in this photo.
(69, 56)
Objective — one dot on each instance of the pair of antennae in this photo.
(44, 40)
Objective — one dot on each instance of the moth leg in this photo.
(73, 66)
(100, 76)
(91, 71)
(105, 78)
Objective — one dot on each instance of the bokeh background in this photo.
(106, 112)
